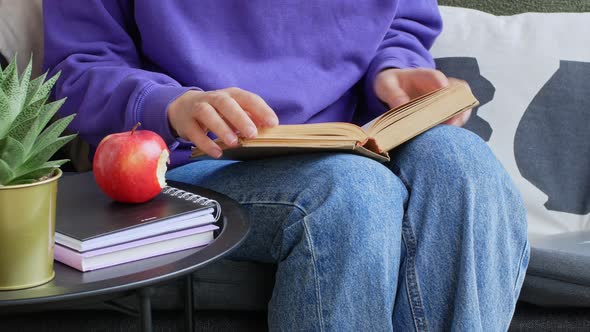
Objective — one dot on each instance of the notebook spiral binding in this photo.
(182, 194)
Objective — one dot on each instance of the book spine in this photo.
(68, 257)
(154, 254)
(150, 240)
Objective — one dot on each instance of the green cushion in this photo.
(511, 7)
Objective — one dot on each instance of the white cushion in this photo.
(532, 73)
(21, 32)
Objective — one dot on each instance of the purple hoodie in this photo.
(124, 61)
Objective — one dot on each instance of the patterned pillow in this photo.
(531, 73)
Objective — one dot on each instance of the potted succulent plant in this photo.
(28, 180)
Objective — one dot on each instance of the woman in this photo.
(434, 240)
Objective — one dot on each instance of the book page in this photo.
(312, 131)
(367, 126)
(423, 114)
(385, 119)
(279, 139)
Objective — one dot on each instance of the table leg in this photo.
(188, 303)
(145, 308)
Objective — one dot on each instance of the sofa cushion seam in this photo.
(553, 278)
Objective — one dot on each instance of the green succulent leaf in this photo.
(20, 131)
(55, 163)
(10, 75)
(12, 152)
(5, 117)
(31, 136)
(33, 88)
(33, 176)
(38, 159)
(45, 88)
(32, 110)
(6, 174)
(26, 78)
(16, 182)
(48, 111)
(11, 98)
(13, 95)
(52, 132)
(11, 85)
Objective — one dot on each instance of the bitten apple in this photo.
(130, 167)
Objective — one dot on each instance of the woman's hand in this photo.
(398, 86)
(228, 113)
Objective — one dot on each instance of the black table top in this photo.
(70, 284)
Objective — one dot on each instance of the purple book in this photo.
(135, 250)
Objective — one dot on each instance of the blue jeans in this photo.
(435, 240)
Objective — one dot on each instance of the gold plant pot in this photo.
(27, 232)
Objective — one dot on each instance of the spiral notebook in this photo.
(87, 219)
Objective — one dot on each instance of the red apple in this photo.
(130, 167)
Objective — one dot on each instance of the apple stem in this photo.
(135, 127)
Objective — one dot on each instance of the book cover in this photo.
(87, 219)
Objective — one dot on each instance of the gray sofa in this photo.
(232, 296)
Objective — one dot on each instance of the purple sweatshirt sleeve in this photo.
(91, 43)
(415, 26)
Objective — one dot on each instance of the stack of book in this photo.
(94, 232)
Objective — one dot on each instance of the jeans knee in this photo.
(355, 199)
(449, 152)
(463, 158)
(356, 173)
(355, 180)
(458, 163)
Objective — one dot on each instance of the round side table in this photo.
(71, 286)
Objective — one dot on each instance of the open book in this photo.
(373, 140)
